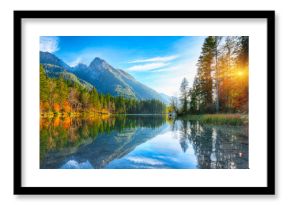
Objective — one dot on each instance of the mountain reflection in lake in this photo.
(141, 142)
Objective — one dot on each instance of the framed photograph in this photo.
(144, 102)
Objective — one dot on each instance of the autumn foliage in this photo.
(61, 97)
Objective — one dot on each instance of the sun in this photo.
(240, 73)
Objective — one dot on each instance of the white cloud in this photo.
(166, 69)
(49, 43)
(167, 158)
(72, 164)
(145, 160)
(170, 83)
(155, 59)
(147, 67)
(150, 64)
(76, 62)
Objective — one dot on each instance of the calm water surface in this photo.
(141, 142)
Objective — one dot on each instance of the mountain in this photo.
(104, 77)
(50, 59)
(55, 67)
(116, 82)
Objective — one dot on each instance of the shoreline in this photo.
(72, 114)
(219, 119)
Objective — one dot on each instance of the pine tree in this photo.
(217, 41)
(184, 95)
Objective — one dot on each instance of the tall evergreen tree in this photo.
(203, 86)
(217, 41)
(184, 95)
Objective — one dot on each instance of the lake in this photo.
(141, 142)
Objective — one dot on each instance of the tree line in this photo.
(221, 82)
(58, 95)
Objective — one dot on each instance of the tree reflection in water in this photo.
(64, 136)
(216, 147)
(95, 142)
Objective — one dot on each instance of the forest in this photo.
(220, 86)
(61, 97)
(221, 82)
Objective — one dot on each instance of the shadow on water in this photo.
(140, 141)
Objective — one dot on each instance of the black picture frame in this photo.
(268, 190)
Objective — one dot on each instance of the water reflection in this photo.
(140, 141)
(220, 147)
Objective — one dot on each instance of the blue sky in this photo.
(160, 62)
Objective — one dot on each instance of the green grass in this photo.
(220, 119)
